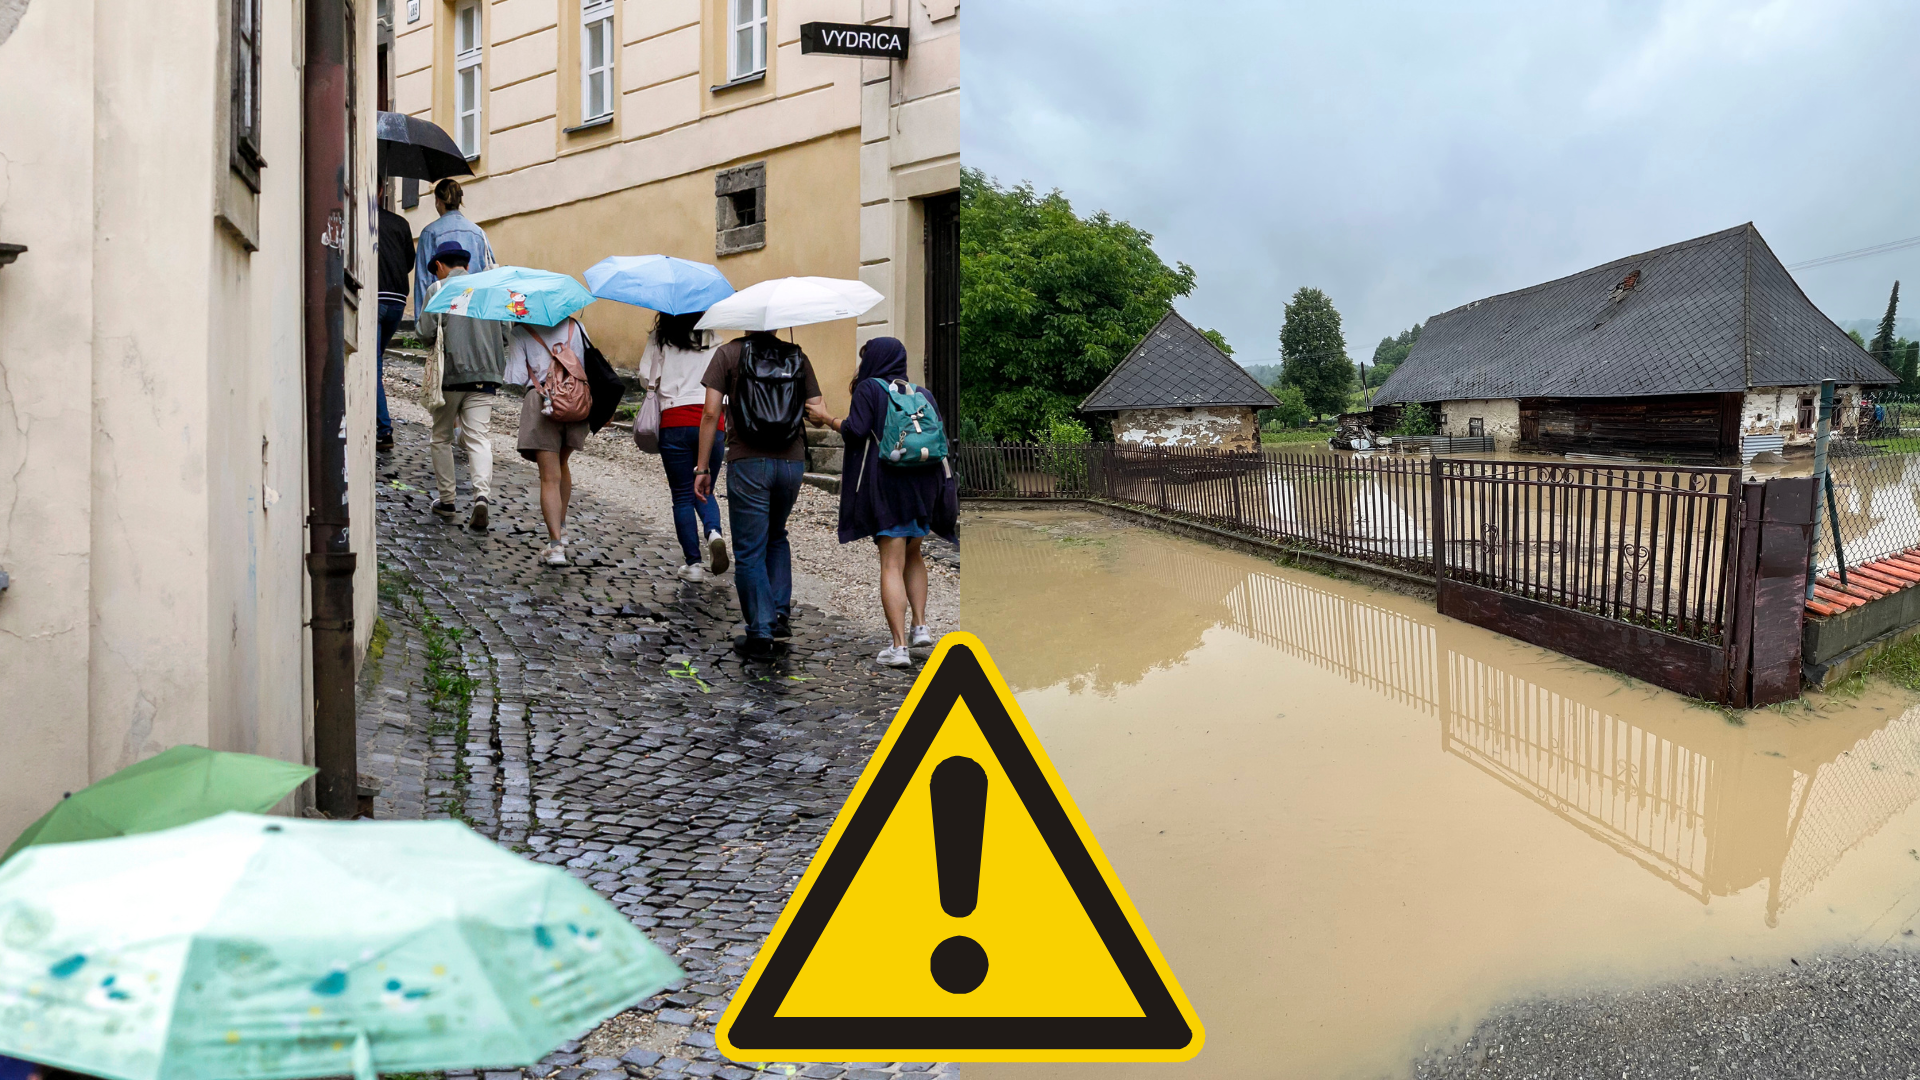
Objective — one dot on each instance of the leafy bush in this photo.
(1415, 420)
(1292, 411)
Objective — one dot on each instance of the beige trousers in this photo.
(472, 413)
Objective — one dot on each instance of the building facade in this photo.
(1177, 389)
(692, 128)
(910, 193)
(1701, 351)
(153, 463)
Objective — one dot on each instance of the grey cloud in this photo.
(1408, 158)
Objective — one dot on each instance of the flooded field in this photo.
(1354, 827)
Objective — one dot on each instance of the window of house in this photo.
(1805, 421)
(468, 46)
(740, 216)
(245, 156)
(749, 25)
(596, 59)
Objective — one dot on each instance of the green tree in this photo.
(1219, 340)
(1882, 344)
(1389, 354)
(1857, 339)
(1313, 352)
(1050, 302)
(1292, 411)
(1909, 369)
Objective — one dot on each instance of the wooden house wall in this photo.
(1685, 427)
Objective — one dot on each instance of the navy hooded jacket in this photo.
(875, 496)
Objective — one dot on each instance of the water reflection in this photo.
(1709, 805)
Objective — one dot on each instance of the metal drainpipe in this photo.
(330, 564)
(1822, 427)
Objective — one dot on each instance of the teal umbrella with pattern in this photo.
(245, 946)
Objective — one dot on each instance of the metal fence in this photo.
(1876, 501)
(1648, 546)
(1372, 509)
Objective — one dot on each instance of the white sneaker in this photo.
(717, 552)
(894, 656)
(691, 572)
(555, 555)
(921, 638)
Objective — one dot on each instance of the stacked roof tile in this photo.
(1175, 366)
(1715, 314)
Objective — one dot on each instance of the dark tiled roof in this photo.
(1175, 366)
(1714, 314)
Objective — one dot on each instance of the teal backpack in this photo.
(912, 434)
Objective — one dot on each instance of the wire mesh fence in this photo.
(1874, 457)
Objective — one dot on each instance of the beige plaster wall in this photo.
(152, 497)
(1501, 417)
(1775, 410)
(644, 183)
(910, 149)
(46, 449)
(1226, 428)
(812, 228)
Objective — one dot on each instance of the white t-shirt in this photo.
(527, 355)
(675, 373)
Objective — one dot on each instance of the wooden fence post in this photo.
(1742, 567)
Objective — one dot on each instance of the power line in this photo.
(1858, 253)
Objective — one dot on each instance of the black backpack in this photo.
(768, 404)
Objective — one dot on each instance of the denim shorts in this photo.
(908, 531)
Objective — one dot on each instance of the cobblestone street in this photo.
(594, 716)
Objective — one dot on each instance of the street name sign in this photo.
(853, 39)
(959, 909)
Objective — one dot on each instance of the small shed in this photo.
(1701, 351)
(1176, 388)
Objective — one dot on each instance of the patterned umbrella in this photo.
(245, 946)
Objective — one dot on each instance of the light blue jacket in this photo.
(454, 226)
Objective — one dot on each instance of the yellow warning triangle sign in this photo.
(959, 909)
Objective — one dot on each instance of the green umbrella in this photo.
(174, 787)
(246, 946)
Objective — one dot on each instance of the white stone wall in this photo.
(152, 425)
(1229, 428)
(1775, 410)
(909, 149)
(1501, 417)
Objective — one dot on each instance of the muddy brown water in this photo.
(1354, 826)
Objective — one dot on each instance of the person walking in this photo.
(897, 505)
(545, 441)
(768, 389)
(450, 227)
(672, 365)
(474, 353)
(396, 266)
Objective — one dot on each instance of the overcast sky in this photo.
(1409, 158)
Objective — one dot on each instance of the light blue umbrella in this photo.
(659, 282)
(511, 294)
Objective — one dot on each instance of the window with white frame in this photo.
(468, 47)
(749, 24)
(596, 59)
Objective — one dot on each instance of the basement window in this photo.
(1806, 417)
(740, 212)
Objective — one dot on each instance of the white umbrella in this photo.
(793, 301)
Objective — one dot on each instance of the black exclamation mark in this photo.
(959, 789)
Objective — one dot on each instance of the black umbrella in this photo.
(418, 148)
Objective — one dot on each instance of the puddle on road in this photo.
(1354, 826)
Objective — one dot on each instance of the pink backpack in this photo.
(569, 399)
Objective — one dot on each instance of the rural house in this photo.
(1700, 351)
(1176, 388)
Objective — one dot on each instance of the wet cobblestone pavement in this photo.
(594, 716)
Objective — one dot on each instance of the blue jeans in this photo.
(692, 519)
(390, 313)
(760, 494)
